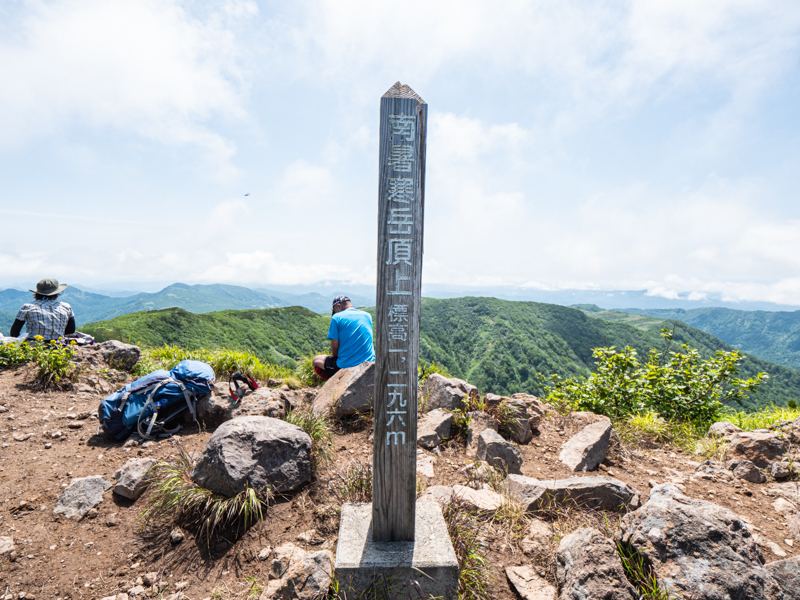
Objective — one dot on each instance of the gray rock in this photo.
(599, 493)
(493, 400)
(214, 410)
(498, 452)
(484, 499)
(478, 421)
(80, 496)
(349, 392)
(585, 450)
(258, 451)
(119, 355)
(712, 471)
(131, 478)
(760, 447)
(783, 470)
(722, 429)
(425, 464)
(441, 392)
(794, 526)
(299, 575)
(588, 567)
(515, 420)
(6, 545)
(529, 585)
(434, 427)
(787, 574)
(746, 470)
(538, 539)
(536, 408)
(698, 549)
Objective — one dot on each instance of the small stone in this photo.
(56, 434)
(112, 520)
(529, 585)
(150, 579)
(176, 536)
(75, 424)
(6, 545)
(137, 590)
(20, 437)
(47, 445)
(264, 553)
(181, 585)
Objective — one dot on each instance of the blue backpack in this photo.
(152, 403)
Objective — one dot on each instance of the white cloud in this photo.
(148, 68)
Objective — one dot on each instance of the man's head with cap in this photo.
(339, 304)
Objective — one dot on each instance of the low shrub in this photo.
(677, 385)
(53, 360)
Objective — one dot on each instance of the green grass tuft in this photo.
(762, 418)
(640, 573)
(318, 429)
(464, 527)
(173, 498)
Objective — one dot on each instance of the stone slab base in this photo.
(425, 568)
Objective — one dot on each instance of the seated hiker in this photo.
(46, 316)
(350, 334)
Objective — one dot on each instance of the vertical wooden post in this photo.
(400, 225)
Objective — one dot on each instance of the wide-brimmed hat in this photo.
(49, 287)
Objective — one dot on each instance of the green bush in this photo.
(677, 385)
(53, 359)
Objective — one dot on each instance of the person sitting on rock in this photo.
(350, 334)
(46, 316)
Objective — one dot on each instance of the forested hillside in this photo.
(499, 345)
(771, 335)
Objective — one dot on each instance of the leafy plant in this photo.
(426, 369)
(53, 362)
(677, 385)
(14, 354)
(173, 498)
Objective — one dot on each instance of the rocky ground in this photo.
(707, 528)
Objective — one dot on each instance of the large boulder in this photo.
(787, 574)
(698, 549)
(131, 478)
(498, 452)
(298, 575)
(119, 355)
(440, 392)
(80, 496)
(589, 568)
(746, 470)
(585, 450)
(261, 452)
(349, 392)
(529, 585)
(760, 447)
(434, 427)
(598, 493)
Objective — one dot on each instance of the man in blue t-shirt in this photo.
(350, 334)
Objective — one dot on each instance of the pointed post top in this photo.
(401, 90)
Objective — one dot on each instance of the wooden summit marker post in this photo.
(397, 547)
(400, 227)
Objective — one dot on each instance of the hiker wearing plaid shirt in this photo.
(46, 316)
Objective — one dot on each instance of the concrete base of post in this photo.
(424, 568)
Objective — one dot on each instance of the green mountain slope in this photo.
(501, 346)
(278, 335)
(771, 335)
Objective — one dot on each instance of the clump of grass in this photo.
(53, 360)
(305, 372)
(649, 428)
(353, 483)
(712, 448)
(640, 573)
(513, 519)
(464, 527)
(763, 418)
(173, 498)
(318, 429)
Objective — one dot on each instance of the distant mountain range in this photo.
(771, 335)
(501, 346)
(89, 306)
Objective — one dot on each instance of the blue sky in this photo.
(624, 145)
